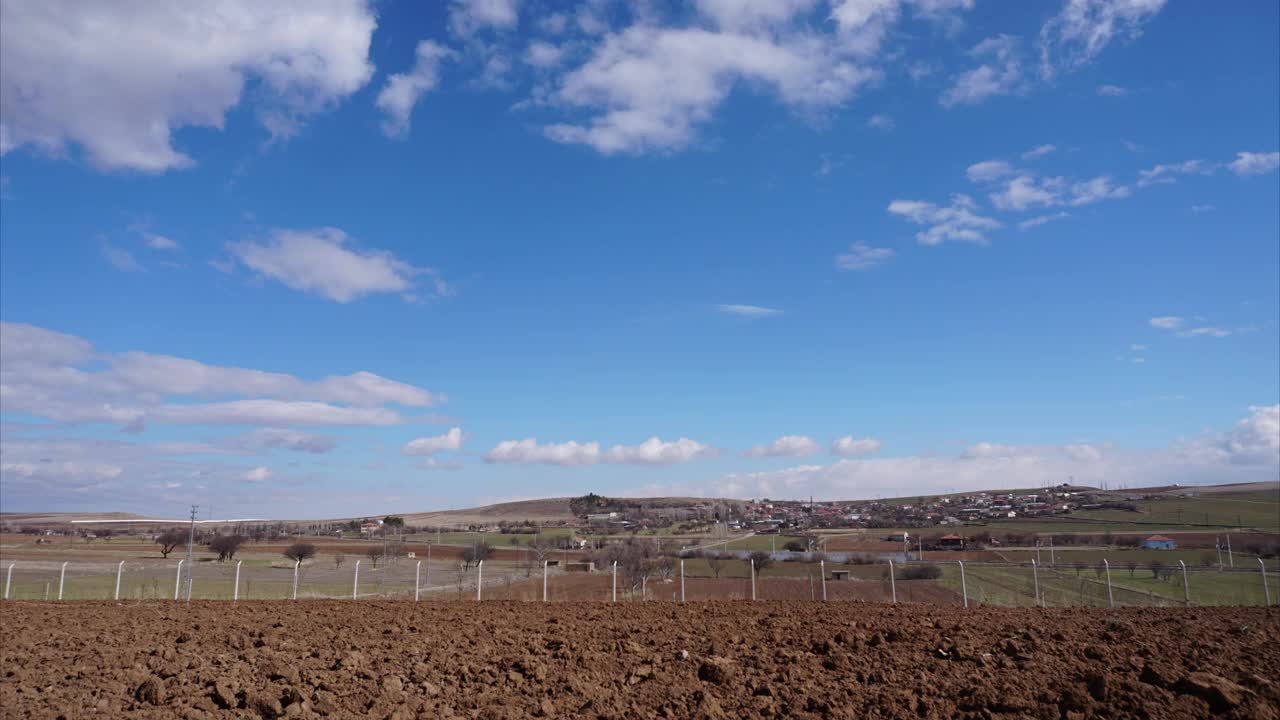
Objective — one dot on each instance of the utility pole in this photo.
(191, 542)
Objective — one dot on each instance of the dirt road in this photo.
(639, 660)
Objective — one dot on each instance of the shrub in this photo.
(922, 572)
(794, 546)
(761, 559)
(300, 551)
(226, 546)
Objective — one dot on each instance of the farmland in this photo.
(635, 660)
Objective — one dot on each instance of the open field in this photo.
(634, 660)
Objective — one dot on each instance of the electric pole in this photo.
(191, 541)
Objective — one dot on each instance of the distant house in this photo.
(951, 542)
(1159, 542)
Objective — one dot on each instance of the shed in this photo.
(951, 542)
(839, 574)
(1160, 542)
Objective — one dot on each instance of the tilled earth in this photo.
(633, 660)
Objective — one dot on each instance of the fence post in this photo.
(1035, 578)
(1264, 578)
(235, 591)
(964, 589)
(177, 582)
(355, 584)
(1231, 559)
(753, 578)
(417, 575)
(644, 588)
(1217, 545)
(8, 578)
(296, 564)
(615, 581)
(62, 575)
(1266, 592)
(1052, 560)
(1186, 589)
(1111, 601)
(119, 571)
(544, 580)
(893, 585)
(428, 566)
(822, 566)
(479, 579)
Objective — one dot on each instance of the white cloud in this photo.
(1095, 190)
(119, 258)
(1204, 332)
(1177, 326)
(1254, 163)
(529, 452)
(469, 16)
(881, 121)
(542, 54)
(1077, 34)
(1112, 91)
(1166, 322)
(1003, 75)
(651, 87)
(1202, 208)
(58, 376)
(958, 221)
(748, 311)
(1028, 191)
(322, 261)
(1137, 348)
(451, 441)
(118, 79)
(785, 446)
(160, 242)
(1165, 173)
(1041, 220)
(655, 451)
(403, 90)
(850, 446)
(862, 256)
(1038, 151)
(988, 170)
(258, 474)
(284, 439)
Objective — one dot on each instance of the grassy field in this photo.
(1260, 510)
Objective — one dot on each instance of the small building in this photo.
(839, 574)
(1159, 542)
(585, 566)
(951, 542)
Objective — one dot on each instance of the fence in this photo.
(944, 582)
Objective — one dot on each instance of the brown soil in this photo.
(634, 660)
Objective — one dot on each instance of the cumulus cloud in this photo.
(59, 377)
(748, 311)
(1084, 28)
(258, 474)
(469, 16)
(785, 446)
(160, 242)
(988, 170)
(851, 446)
(1027, 191)
(958, 221)
(403, 90)
(653, 451)
(1254, 163)
(119, 258)
(862, 256)
(118, 79)
(1000, 73)
(1166, 173)
(1166, 322)
(529, 452)
(880, 121)
(451, 441)
(325, 262)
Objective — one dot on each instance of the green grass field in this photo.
(1260, 510)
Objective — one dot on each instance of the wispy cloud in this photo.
(862, 256)
(1112, 91)
(748, 311)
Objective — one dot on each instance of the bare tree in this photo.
(761, 559)
(337, 559)
(300, 551)
(477, 552)
(715, 562)
(1132, 565)
(374, 554)
(226, 546)
(170, 539)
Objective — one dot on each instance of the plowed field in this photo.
(383, 659)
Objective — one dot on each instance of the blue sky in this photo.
(268, 260)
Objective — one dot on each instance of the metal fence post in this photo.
(1186, 589)
(893, 585)
(1052, 560)
(1264, 578)
(1111, 601)
(355, 584)
(753, 578)
(479, 579)
(417, 575)
(119, 572)
(822, 566)
(1231, 559)
(544, 580)
(177, 582)
(8, 578)
(62, 576)
(1266, 592)
(235, 591)
(1035, 578)
(964, 588)
(296, 564)
(615, 581)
